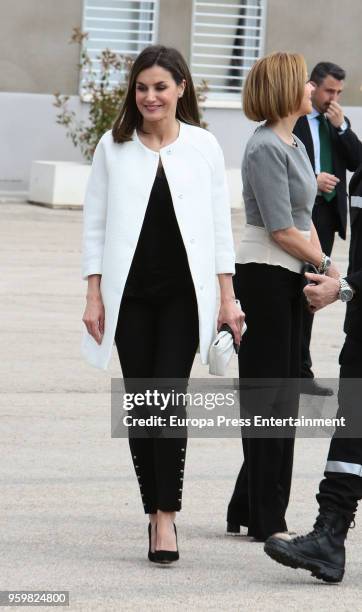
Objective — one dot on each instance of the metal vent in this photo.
(227, 38)
(124, 26)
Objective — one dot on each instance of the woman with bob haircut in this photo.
(157, 231)
(279, 189)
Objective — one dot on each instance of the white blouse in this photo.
(258, 246)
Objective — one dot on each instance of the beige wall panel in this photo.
(35, 56)
(175, 18)
(323, 30)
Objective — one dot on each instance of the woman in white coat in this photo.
(157, 231)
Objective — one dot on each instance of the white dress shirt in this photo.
(314, 128)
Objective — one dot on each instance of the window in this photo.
(124, 26)
(227, 39)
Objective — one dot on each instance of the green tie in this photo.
(325, 152)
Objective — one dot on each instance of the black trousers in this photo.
(341, 487)
(326, 220)
(157, 338)
(272, 299)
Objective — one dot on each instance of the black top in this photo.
(160, 266)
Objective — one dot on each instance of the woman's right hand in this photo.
(93, 317)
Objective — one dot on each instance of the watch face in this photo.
(346, 295)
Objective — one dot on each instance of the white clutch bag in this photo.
(221, 351)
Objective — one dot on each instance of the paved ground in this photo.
(71, 515)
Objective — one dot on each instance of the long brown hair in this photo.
(129, 117)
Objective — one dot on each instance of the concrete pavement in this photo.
(71, 514)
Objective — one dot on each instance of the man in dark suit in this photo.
(332, 148)
(322, 551)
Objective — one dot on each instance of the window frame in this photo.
(227, 100)
(155, 29)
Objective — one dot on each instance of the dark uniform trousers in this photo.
(341, 488)
(342, 485)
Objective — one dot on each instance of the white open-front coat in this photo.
(116, 200)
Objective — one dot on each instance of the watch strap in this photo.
(343, 127)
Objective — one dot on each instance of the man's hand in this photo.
(326, 182)
(335, 114)
(324, 292)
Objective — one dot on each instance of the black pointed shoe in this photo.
(321, 551)
(151, 555)
(167, 556)
(232, 529)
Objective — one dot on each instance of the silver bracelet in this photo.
(325, 264)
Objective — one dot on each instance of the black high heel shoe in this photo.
(151, 555)
(167, 556)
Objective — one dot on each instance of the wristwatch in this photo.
(343, 127)
(346, 292)
(326, 263)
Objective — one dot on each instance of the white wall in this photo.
(233, 129)
(28, 132)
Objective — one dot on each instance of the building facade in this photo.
(221, 39)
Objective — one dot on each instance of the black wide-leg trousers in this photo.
(157, 338)
(341, 488)
(271, 297)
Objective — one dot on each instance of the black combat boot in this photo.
(321, 551)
